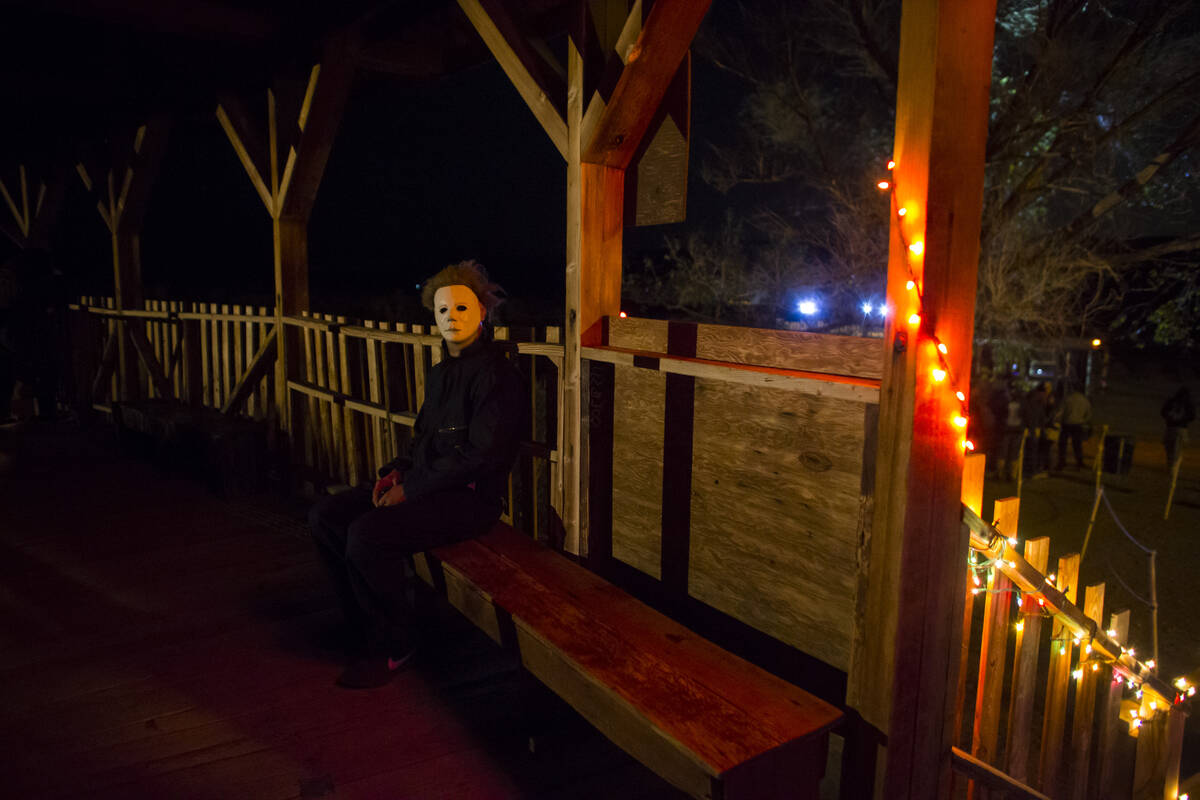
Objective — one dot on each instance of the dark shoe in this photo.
(371, 672)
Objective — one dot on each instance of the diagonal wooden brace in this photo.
(146, 355)
(263, 360)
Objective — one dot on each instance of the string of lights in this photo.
(915, 250)
(941, 373)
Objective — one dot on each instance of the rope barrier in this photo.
(1136, 596)
(1121, 527)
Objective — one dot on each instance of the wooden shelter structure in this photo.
(795, 497)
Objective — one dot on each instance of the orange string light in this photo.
(940, 373)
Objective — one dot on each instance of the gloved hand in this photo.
(384, 484)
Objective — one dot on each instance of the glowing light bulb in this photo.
(1095, 666)
(962, 398)
(915, 319)
(960, 421)
(969, 444)
(943, 349)
(891, 165)
(1112, 633)
(623, 315)
(1191, 692)
(939, 375)
(1095, 342)
(1150, 663)
(884, 185)
(867, 308)
(916, 248)
(910, 285)
(1021, 625)
(1013, 541)
(1137, 723)
(1077, 674)
(902, 211)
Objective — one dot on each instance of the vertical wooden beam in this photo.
(904, 667)
(974, 470)
(1054, 716)
(1025, 660)
(1087, 687)
(569, 434)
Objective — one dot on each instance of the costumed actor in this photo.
(448, 489)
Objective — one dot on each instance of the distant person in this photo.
(450, 488)
(1076, 417)
(1014, 424)
(1035, 416)
(1177, 413)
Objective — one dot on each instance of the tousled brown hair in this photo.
(468, 273)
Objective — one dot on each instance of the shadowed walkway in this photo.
(157, 641)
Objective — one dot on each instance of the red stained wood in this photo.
(724, 710)
(652, 64)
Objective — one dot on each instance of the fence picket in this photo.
(1055, 713)
(992, 649)
(1087, 687)
(1025, 659)
(1112, 728)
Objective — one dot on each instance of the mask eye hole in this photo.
(461, 307)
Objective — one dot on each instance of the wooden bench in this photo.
(705, 720)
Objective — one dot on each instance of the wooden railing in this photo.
(1109, 726)
(354, 401)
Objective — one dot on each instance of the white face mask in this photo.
(459, 315)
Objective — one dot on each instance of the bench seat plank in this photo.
(705, 720)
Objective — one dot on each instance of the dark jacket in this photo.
(469, 426)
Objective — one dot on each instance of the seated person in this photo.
(450, 489)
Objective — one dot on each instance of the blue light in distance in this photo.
(867, 308)
(807, 307)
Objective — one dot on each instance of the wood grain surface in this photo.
(776, 499)
(639, 405)
(816, 352)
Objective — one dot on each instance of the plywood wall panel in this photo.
(777, 493)
(639, 407)
(816, 352)
(638, 334)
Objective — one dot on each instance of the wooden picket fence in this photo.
(1098, 722)
(354, 397)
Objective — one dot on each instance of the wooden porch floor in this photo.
(157, 641)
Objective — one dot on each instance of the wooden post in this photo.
(301, 126)
(904, 666)
(1087, 687)
(992, 649)
(123, 192)
(1025, 659)
(1055, 715)
(602, 137)
(974, 470)
(1112, 728)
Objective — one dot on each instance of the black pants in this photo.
(1075, 434)
(366, 551)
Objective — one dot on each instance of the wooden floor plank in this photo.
(158, 641)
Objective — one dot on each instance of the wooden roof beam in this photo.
(316, 124)
(538, 80)
(251, 152)
(651, 65)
